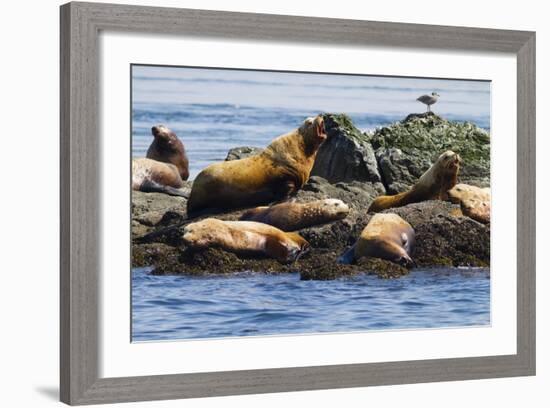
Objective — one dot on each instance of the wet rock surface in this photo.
(363, 167)
(150, 210)
(444, 237)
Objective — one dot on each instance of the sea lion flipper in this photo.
(149, 186)
(347, 257)
(176, 192)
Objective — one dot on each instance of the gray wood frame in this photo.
(80, 234)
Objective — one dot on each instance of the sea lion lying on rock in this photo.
(386, 236)
(278, 171)
(154, 176)
(168, 148)
(432, 185)
(292, 216)
(474, 202)
(245, 237)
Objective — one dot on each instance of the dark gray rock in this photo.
(242, 152)
(399, 170)
(347, 154)
(149, 210)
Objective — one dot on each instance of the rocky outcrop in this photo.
(400, 171)
(347, 154)
(444, 237)
(406, 149)
(362, 167)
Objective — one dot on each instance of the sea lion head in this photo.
(386, 236)
(165, 137)
(298, 247)
(313, 130)
(334, 208)
(200, 234)
(449, 160)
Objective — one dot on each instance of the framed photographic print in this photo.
(260, 203)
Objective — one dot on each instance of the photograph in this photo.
(263, 204)
(281, 203)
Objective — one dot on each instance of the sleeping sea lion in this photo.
(386, 236)
(158, 177)
(245, 237)
(292, 216)
(475, 202)
(278, 171)
(432, 185)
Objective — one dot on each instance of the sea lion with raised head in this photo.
(152, 176)
(168, 148)
(292, 216)
(386, 236)
(245, 237)
(278, 171)
(432, 185)
(475, 202)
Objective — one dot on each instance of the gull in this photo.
(428, 100)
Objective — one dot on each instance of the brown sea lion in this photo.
(245, 237)
(279, 170)
(386, 236)
(475, 202)
(432, 185)
(168, 148)
(292, 216)
(153, 176)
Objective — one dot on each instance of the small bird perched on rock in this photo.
(428, 100)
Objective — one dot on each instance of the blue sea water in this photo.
(255, 304)
(215, 110)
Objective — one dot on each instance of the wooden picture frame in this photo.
(81, 24)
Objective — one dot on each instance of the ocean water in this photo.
(255, 304)
(213, 110)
